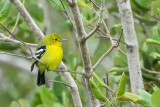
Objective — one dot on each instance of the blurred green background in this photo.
(18, 84)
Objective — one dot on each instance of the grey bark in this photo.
(132, 45)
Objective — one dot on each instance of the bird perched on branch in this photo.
(50, 54)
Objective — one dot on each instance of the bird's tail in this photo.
(41, 78)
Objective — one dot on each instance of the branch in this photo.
(84, 48)
(15, 26)
(144, 69)
(7, 39)
(132, 45)
(71, 82)
(102, 57)
(16, 38)
(62, 70)
(60, 83)
(28, 57)
(150, 71)
(65, 11)
(39, 34)
(99, 21)
(21, 9)
(115, 44)
(144, 30)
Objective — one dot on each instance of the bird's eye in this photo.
(55, 39)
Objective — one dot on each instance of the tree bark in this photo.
(81, 34)
(132, 45)
(73, 89)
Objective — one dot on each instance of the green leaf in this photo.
(24, 103)
(81, 3)
(14, 104)
(100, 83)
(156, 34)
(146, 19)
(129, 96)
(57, 105)
(47, 96)
(152, 41)
(120, 60)
(142, 4)
(5, 10)
(155, 5)
(73, 61)
(58, 3)
(118, 69)
(8, 46)
(158, 13)
(121, 86)
(59, 88)
(155, 88)
(97, 93)
(156, 55)
(35, 12)
(146, 98)
(37, 99)
(156, 98)
(113, 29)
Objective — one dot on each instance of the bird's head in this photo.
(53, 39)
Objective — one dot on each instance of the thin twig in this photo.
(114, 45)
(144, 69)
(22, 43)
(76, 72)
(99, 21)
(95, 4)
(121, 51)
(56, 4)
(150, 71)
(102, 57)
(112, 39)
(60, 83)
(26, 16)
(144, 30)
(106, 28)
(65, 11)
(7, 39)
(15, 26)
(28, 57)
(17, 38)
(101, 33)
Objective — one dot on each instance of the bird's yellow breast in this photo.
(51, 58)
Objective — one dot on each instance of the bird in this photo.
(50, 54)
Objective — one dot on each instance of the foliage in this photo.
(18, 87)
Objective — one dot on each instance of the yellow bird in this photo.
(50, 53)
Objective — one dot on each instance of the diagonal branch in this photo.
(7, 39)
(102, 57)
(39, 34)
(28, 57)
(17, 38)
(99, 21)
(81, 34)
(24, 13)
(15, 26)
(142, 68)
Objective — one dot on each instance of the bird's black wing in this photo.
(39, 53)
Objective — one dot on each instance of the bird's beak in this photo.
(63, 40)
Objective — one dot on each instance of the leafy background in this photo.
(18, 84)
